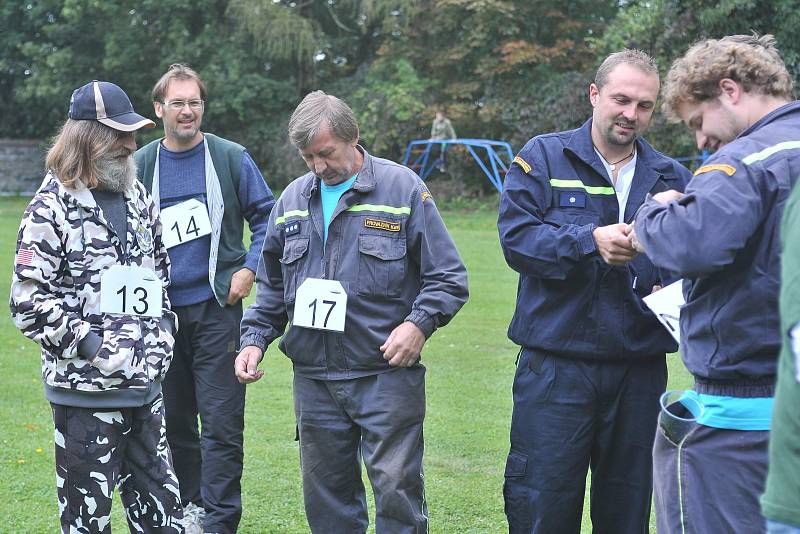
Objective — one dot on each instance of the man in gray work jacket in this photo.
(359, 263)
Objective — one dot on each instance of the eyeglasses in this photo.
(177, 105)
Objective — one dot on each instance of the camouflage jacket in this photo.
(63, 247)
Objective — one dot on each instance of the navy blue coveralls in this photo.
(592, 364)
(730, 322)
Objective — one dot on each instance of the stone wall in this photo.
(21, 165)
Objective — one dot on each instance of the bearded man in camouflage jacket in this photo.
(89, 286)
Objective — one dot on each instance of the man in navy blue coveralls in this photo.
(592, 364)
(735, 93)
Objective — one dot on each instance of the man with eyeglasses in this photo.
(206, 187)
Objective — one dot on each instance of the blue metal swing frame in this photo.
(489, 155)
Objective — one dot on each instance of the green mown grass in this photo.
(470, 370)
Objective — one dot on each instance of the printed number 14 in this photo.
(191, 228)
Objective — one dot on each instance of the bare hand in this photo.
(403, 345)
(667, 196)
(241, 284)
(613, 243)
(656, 288)
(246, 365)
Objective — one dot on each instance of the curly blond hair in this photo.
(751, 61)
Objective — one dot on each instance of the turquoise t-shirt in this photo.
(733, 413)
(330, 198)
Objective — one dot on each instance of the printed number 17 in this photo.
(313, 307)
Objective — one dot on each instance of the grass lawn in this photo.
(470, 370)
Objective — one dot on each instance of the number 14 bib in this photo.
(184, 222)
(130, 290)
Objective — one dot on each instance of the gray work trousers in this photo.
(378, 419)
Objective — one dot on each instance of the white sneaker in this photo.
(193, 517)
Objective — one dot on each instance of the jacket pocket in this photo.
(381, 265)
(559, 217)
(293, 251)
(159, 344)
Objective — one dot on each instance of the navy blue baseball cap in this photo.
(108, 104)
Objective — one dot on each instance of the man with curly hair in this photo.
(735, 93)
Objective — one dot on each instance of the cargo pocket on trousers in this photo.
(516, 465)
(517, 494)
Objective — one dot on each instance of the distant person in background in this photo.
(592, 364)
(722, 236)
(442, 130)
(206, 187)
(89, 286)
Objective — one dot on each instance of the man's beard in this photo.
(116, 173)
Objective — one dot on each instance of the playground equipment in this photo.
(493, 157)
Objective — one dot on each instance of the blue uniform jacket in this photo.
(571, 303)
(722, 236)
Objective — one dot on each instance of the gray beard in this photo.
(116, 175)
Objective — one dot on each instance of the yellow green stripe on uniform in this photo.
(577, 184)
(767, 152)
(292, 213)
(380, 208)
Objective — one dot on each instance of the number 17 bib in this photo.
(320, 304)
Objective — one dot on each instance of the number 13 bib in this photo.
(130, 290)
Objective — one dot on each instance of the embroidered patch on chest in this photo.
(567, 199)
(291, 228)
(379, 224)
(144, 239)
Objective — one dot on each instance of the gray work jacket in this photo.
(389, 248)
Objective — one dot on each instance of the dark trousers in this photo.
(709, 480)
(378, 418)
(201, 381)
(570, 415)
(98, 449)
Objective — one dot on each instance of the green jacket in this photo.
(227, 223)
(781, 501)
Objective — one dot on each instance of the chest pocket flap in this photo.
(382, 265)
(293, 250)
(383, 248)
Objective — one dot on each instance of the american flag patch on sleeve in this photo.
(25, 256)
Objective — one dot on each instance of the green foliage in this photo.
(506, 69)
(387, 105)
(666, 28)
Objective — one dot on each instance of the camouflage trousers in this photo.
(97, 449)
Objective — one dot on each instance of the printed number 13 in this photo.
(313, 307)
(138, 291)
